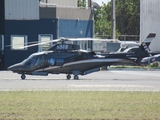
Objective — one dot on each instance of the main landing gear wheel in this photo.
(23, 76)
(76, 77)
(68, 76)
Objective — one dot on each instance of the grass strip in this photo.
(79, 105)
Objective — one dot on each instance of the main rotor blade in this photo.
(34, 42)
(41, 43)
(70, 39)
(93, 39)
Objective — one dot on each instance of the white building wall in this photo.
(21, 9)
(63, 3)
(150, 21)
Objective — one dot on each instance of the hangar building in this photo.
(26, 21)
(150, 21)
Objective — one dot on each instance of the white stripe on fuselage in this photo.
(94, 60)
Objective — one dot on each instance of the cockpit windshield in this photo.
(34, 60)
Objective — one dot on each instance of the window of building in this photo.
(1, 42)
(45, 39)
(18, 42)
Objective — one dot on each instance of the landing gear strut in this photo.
(68, 76)
(23, 76)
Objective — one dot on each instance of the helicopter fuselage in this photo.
(77, 62)
(69, 59)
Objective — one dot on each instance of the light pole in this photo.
(113, 20)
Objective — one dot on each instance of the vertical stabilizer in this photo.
(147, 41)
(143, 50)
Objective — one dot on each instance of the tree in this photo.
(127, 18)
(102, 25)
(82, 3)
(103, 20)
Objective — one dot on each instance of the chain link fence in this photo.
(121, 37)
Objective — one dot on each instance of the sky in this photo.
(100, 1)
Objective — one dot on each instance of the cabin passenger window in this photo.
(51, 61)
(45, 38)
(18, 42)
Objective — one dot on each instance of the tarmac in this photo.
(107, 80)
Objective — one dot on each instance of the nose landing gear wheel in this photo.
(76, 77)
(68, 76)
(23, 76)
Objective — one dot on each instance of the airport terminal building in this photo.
(24, 22)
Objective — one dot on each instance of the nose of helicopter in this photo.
(16, 67)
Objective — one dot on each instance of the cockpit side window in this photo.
(35, 61)
(40, 60)
(31, 61)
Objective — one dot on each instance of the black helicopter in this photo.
(69, 59)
